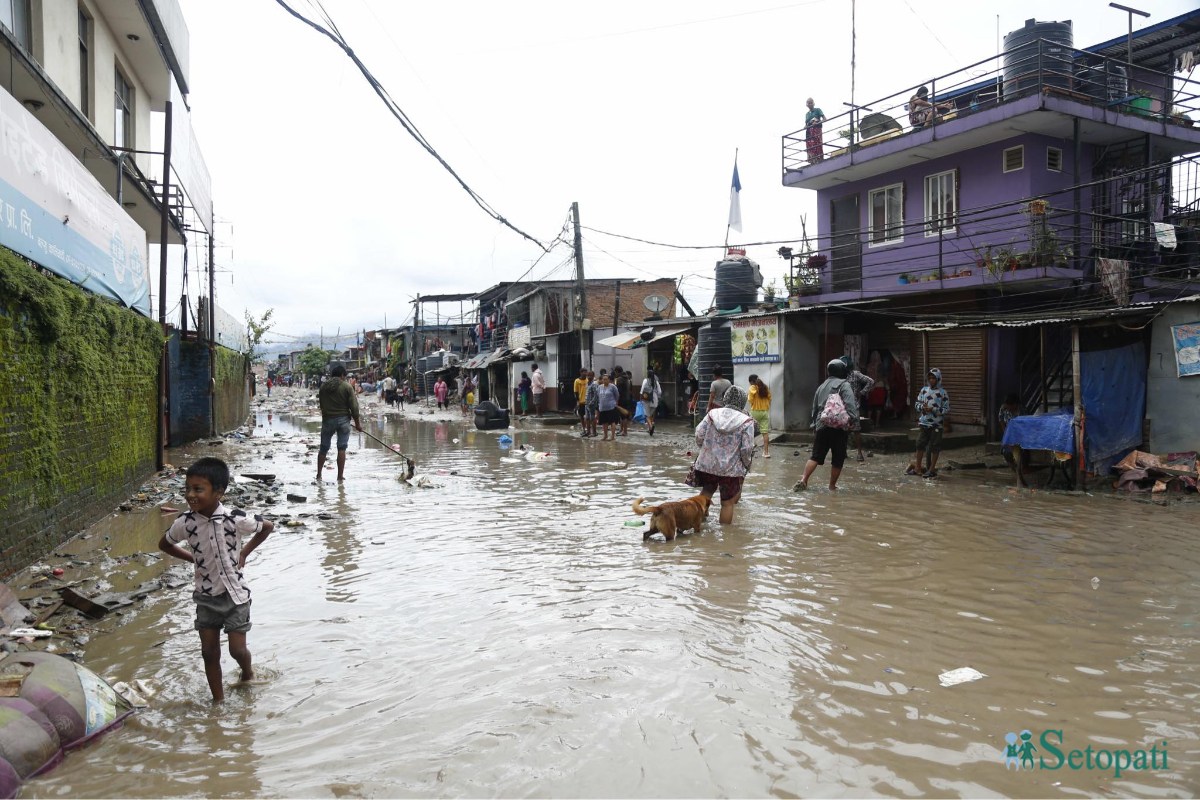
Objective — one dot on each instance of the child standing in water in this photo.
(210, 536)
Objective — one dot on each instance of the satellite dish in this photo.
(655, 303)
(872, 125)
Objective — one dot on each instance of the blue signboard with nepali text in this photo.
(56, 214)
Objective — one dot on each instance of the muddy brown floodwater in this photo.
(506, 634)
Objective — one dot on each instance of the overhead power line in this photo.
(336, 37)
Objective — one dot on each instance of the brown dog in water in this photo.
(678, 515)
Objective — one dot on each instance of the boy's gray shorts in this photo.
(220, 612)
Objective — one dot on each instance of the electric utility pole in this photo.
(585, 345)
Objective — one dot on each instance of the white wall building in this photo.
(81, 81)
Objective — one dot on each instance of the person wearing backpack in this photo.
(834, 406)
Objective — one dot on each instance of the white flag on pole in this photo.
(735, 203)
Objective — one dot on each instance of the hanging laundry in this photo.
(1114, 277)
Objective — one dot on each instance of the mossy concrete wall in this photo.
(232, 389)
(78, 408)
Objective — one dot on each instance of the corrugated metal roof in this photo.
(1009, 320)
(1155, 46)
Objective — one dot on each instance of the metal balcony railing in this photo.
(1039, 67)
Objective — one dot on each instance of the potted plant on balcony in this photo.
(769, 293)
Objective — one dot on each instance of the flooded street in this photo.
(506, 634)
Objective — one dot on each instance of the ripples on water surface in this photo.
(506, 634)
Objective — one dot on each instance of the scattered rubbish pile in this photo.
(1145, 472)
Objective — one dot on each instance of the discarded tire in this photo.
(489, 416)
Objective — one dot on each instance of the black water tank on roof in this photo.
(737, 283)
(1028, 61)
(1105, 81)
(714, 348)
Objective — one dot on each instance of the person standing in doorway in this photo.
(339, 405)
(537, 388)
(831, 425)
(717, 389)
(932, 406)
(524, 389)
(760, 411)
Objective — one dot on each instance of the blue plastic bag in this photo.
(639, 412)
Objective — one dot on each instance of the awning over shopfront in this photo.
(482, 360)
(631, 340)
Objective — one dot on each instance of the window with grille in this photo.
(941, 202)
(887, 215)
(1014, 158)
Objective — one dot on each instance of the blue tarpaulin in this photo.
(1047, 432)
(1114, 401)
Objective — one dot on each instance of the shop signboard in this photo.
(755, 340)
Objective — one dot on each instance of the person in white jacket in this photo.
(726, 440)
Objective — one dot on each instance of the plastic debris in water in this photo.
(634, 523)
(505, 439)
(1095, 583)
(960, 675)
(455, 441)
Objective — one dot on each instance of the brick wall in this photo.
(78, 409)
(602, 301)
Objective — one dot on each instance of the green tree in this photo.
(313, 361)
(255, 331)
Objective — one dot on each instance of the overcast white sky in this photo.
(337, 218)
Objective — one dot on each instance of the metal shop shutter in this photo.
(961, 356)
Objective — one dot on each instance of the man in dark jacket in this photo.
(339, 404)
(831, 434)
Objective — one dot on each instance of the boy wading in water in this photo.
(210, 536)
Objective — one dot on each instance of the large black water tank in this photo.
(1105, 81)
(1026, 61)
(737, 283)
(713, 349)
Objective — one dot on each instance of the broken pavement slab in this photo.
(84, 604)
